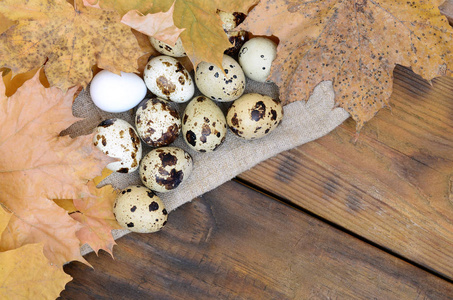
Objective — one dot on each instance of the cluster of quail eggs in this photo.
(203, 125)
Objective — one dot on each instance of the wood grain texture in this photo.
(235, 243)
(394, 186)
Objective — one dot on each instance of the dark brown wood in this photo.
(235, 243)
(393, 186)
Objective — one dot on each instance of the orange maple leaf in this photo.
(95, 213)
(37, 164)
(159, 25)
(356, 44)
(68, 39)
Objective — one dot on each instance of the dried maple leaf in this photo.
(5, 23)
(121, 6)
(13, 83)
(37, 164)
(25, 273)
(159, 25)
(147, 49)
(71, 39)
(95, 213)
(204, 38)
(356, 44)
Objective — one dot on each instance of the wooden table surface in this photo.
(331, 219)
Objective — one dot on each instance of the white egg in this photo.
(256, 56)
(118, 139)
(114, 93)
(167, 78)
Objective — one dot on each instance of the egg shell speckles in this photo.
(204, 126)
(253, 116)
(230, 21)
(176, 51)
(167, 78)
(212, 82)
(157, 122)
(118, 139)
(164, 169)
(138, 209)
(256, 56)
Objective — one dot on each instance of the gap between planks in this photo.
(294, 206)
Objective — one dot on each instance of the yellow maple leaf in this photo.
(68, 39)
(203, 38)
(25, 273)
(5, 23)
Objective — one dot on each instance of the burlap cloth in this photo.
(302, 122)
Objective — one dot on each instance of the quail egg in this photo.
(138, 209)
(164, 169)
(220, 85)
(204, 125)
(256, 56)
(157, 122)
(167, 78)
(253, 116)
(175, 51)
(230, 21)
(118, 139)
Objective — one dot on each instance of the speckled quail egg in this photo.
(117, 93)
(204, 125)
(157, 122)
(253, 116)
(256, 56)
(164, 169)
(118, 139)
(237, 38)
(212, 82)
(138, 209)
(167, 78)
(175, 51)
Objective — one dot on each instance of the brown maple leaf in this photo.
(356, 44)
(37, 164)
(25, 273)
(68, 39)
(95, 213)
(204, 38)
(147, 49)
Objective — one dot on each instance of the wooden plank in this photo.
(394, 186)
(235, 243)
